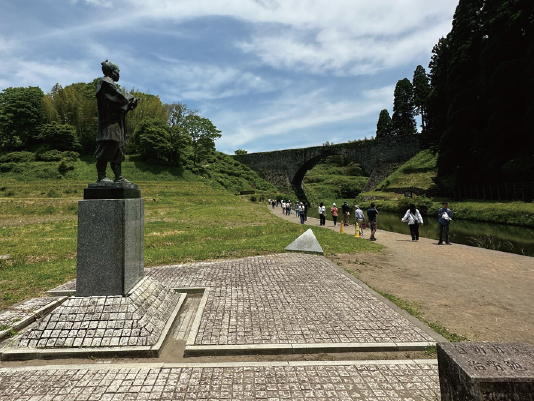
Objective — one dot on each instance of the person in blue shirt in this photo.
(445, 217)
(371, 216)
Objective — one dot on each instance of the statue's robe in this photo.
(112, 109)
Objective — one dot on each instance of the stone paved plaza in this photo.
(275, 300)
(287, 298)
(304, 381)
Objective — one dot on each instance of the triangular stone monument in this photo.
(306, 243)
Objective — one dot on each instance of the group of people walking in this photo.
(301, 208)
(412, 216)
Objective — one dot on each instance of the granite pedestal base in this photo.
(486, 371)
(110, 246)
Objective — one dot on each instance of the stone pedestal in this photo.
(110, 241)
(486, 371)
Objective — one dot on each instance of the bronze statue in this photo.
(111, 137)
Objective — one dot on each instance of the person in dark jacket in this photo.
(371, 216)
(111, 135)
(445, 217)
(346, 213)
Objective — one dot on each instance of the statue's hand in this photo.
(133, 103)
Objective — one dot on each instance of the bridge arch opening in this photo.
(298, 178)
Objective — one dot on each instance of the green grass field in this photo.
(184, 222)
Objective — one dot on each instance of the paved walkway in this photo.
(297, 381)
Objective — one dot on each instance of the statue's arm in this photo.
(113, 96)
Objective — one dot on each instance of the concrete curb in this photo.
(196, 323)
(32, 318)
(280, 349)
(163, 365)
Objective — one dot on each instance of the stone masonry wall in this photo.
(284, 168)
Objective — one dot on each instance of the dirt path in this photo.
(483, 294)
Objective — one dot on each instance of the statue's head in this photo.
(111, 70)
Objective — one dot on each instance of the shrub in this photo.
(64, 167)
(56, 156)
(421, 202)
(253, 199)
(17, 157)
(5, 167)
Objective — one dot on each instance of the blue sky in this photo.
(270, 74)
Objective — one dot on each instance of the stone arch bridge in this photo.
(287, 168)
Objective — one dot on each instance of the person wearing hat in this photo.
(334, 210)
(445, 217)
(346, 213)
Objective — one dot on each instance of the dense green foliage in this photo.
(477, 101)
(35, 126)
(482, 103)
(61, 137)
(22, 113)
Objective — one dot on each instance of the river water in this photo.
(506, 238)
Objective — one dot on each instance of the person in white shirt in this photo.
(301, 213)
(359, 217)
(414, 219)
(322, 214)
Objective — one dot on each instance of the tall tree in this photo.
(59, 136)
(421, 90)
(203, 135)
(403, 109)
(384, 125)
(177, 113)
(437, 99)
(22, 113)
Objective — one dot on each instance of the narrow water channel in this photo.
(501, 237)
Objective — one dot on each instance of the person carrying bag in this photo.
(414, 219)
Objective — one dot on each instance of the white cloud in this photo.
(274, 121)
(335, 52)
(202, 81)
(21, 72)
(344, 37)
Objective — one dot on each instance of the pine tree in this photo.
(421, 90)
(384, 125)
(403, 109)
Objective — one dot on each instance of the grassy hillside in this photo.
(219, 170)
(415, 174)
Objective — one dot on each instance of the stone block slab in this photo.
(110, 246)
(473, 371)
